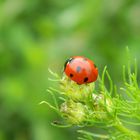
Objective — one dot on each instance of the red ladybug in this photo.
(81, 70)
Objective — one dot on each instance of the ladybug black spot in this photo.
(78, 69)
(85, 79)
(71, 75)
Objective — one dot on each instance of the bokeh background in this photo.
(39, 34)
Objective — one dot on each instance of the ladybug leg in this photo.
(78, 84)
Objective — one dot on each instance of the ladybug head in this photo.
(67, 62)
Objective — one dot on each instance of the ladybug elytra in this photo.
(81, 70)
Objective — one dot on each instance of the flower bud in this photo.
(75, 113)
(102, 106)
(76, 92)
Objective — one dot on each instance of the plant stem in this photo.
(132, 134)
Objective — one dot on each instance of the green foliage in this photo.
(87, 105)
(37, 34)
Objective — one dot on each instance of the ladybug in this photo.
(81, 70)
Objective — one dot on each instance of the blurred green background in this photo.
(39, 34)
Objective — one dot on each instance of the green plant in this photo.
(111, 112)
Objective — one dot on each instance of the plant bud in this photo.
(75, 113)
(102, 106)
(76, 92)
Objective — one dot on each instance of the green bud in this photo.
(102, 106)
(74, 113)
(76, 92)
